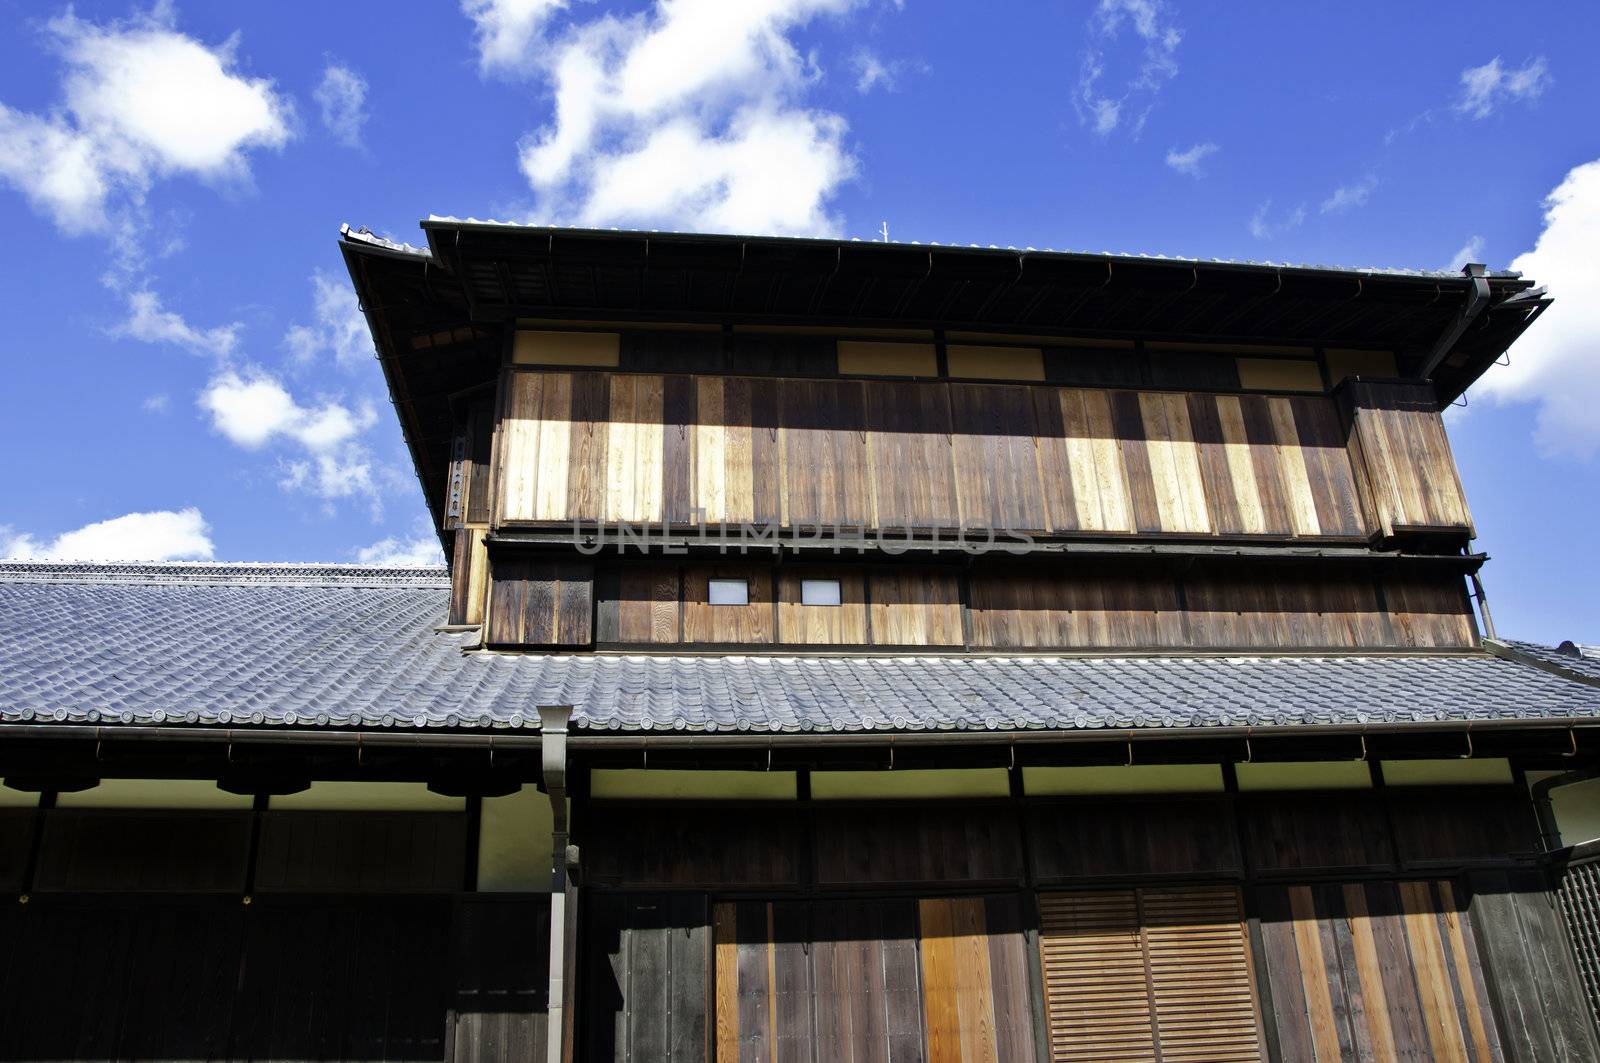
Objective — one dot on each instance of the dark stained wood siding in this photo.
(386, 852)
(16, 842)
(646, 994)
(670, 844)
(1090, 838)
(500, 958)
(541, 603)
(104, 849)
(930, 842)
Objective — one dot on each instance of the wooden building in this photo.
(847, 652)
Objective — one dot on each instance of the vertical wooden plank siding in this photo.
(896, 454)
(1410, 470)
(842, 624)
(1376, 970)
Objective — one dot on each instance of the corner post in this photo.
(553, 721)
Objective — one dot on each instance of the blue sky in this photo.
(182, 354)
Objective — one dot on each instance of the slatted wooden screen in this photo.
(1580, 905)
(942, 980)
(1376, 970)
(598, 446)
(1148, 974)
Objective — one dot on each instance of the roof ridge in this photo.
(234, 573)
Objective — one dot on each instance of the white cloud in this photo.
(339, 327)
(1263, 227)
(140, 102)
(157, 403)
(1471, 251)
(1104, 108)
(687, 115)
(161, 535)
(507, 30)
(342, 96)
(150, 322)
(1191, 160)
(1555, 365)
(254, 410)
(1485, 87)
(397, 553)
(1351, 196)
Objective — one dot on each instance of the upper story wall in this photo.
(776, 428)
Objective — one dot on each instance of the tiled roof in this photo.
(358, 647)
(1579, 660)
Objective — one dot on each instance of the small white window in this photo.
(819, 592)
(730, 592)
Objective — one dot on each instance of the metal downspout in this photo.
(1469, 313)
(553, 720)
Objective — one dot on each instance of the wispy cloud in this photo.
(1350, 196)
(1554, 366)
(338, 326)
(1264, 227)
(148, 321)
(342, 97)
(872, 72)
(160, 535)
(160, 402)
(394, 552)
(690, 114)
(1190, 161)
(1124, 99)
(1471, 251)
(1483, 88)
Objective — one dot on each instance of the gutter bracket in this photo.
(1467, 315)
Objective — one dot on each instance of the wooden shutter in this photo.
(1200, 974)
(1097, 996)
(1156, 974)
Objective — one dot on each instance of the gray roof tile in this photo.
(358, 647)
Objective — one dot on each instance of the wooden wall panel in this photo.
(667, 844)
(1543, 1013)
(639, 603)
(867, 981)
(1149, 974)
(469, 576)
(102, 849)
(911, 460)
(500, 964)
(933, 842)
(1088, 838)
(764, 982)
(1285, 607)
(1021, 608)
(647, 994)
(1428, 611)
(825, 458)
(997, 470)
(1293, 832)
(810, 625)
(914, 607)
(535, 602)
(974, 980)
(1434, 825)
(703, 622)
(1403, 450)
(379, 852)
(594, 445)
(16, 843)
(1376, 970)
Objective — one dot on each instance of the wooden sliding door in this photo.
(1148, 974)
(898, 980)
(1376, 970)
